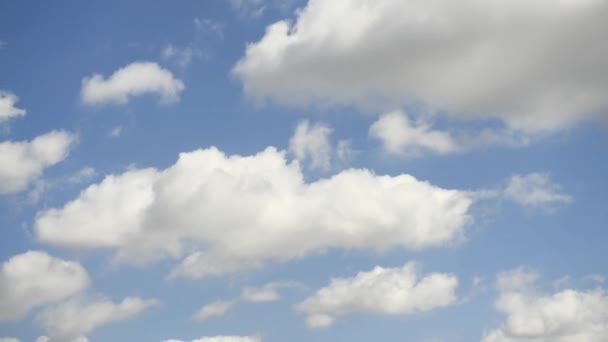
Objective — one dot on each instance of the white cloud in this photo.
(116, 132)
(535, 190)
(389, 291)
(399, 136)
(8, 339)
(239, 212)
(515, 60)
(135, 79)
(266, 293)
(24, 161)
(7, 106)
(181, 56)
(311, 142)
(215, 309)
(222, 339)
(33, 279)
(531, 316)
(70, 320)
(77, 339)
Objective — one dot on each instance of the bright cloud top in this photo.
(34, 279)
(515, 60)
(135, 79)
(70, 320)
(535, 190)
(388, 291)
(24, 161)
(240, 211)
(565, 316)
(7, 106)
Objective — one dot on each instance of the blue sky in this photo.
(263, 170)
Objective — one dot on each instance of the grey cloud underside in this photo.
(536, 65)
(239, 212)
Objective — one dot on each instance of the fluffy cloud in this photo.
(35, 278)
(135, 79)
(215, 309)
(70, 320)
(515, 60)
(266, 293)
(222, 339)
(311, 142)
(535, 190)
(238, 212)
(7, 106)
(388, 291)
(24, 161)
(400, 136)
(565, 316)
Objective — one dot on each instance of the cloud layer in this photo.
(239, 212)
(519, 61)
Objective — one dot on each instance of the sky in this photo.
(303, 170)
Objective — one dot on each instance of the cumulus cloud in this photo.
(389, 291)
(135, 79)
(24, 161)
(7, 106)
(533, 316)
(518, 61)
(399, 136)
(70, 320)
(33, 279)
(535, 190)
(311, 143)
(239, 212)
(215, 309)
(222, 339)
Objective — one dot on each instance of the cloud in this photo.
(517, 61)
(311, 142)
(181, 56)
(238, 212)
(535, 190)
(33, 279)
(77, 339)
(399, 136)
(266, 293)
(531, 316)
(116, 132)
(76, 317)
(389, 291)
(7, 106)
(215, 309)
(135, 79)
(222, 339)
(8, 339)
(24, 161)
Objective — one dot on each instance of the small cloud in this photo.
(210, 26)
(536, 190)
(215, 309)
(8, 109)
(116, 132)
(182, 57)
